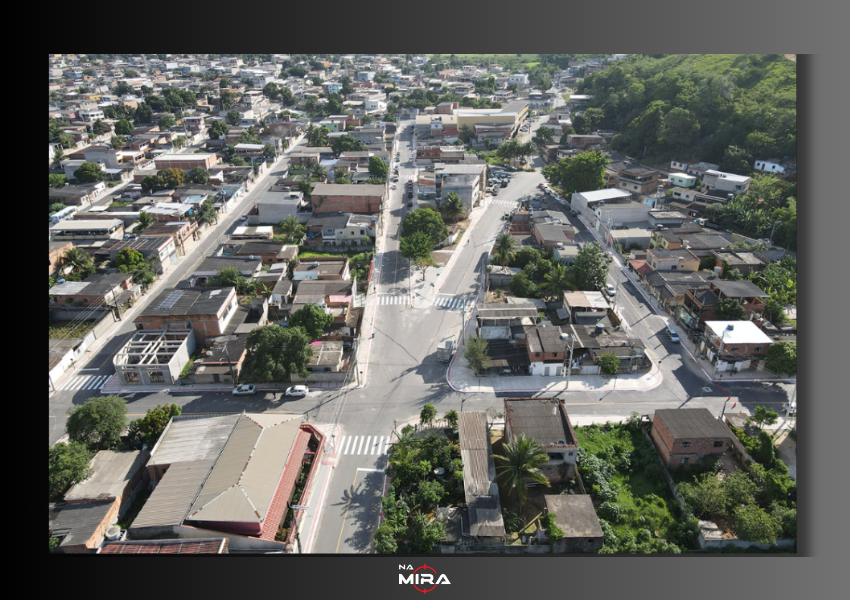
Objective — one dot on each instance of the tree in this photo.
(581, 173)
(522, 286)
(476, 355)
(224, 82)
(378, 168)
(782, 358)
(503, 251)
(609, 363)
(166, 122)
(736, 160)
(416, 246)
(590, 269)
(233, 117)
(55, 180)
(312, 319)
(274, 353)
(558, 281)
(198, 175)
(589, 121)
(764, 417)
(346, 143)
(739, 489)
(89, 173)
(454, 207)
(286, 97)
(98, 423)
(271, 90)
(428, 414)
(217, 129)
(318, 173)
(524, 256)
(385, 542)
(522, 461)
(229, 277)
(58, 156)
(149, 428)
(465, 132)
(207, 213)
(80, 261)
(132, 261)
(269, 151)
(423, 534)
(679, 130)
(238, 162)
(293, 229)
(123, 127)
(128, 257)
(178, 142)
(705, 497)
(318, 136)
(99, 127)
(172, 178)
(67, 464)
(116, 142)
(427, 221)
(544, 135)
(451, 417)
(755, 524)
(729, 309)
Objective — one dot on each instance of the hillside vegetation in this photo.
(724, 108)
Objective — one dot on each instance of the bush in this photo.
(611, 512)
(553, 532)
(513, 522)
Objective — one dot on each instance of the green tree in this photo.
(293, 229)
(476, 355)
(98, 423)
(452, 418)
(89, 173)
(558, 281)
(123, 127)
(286, 97)
(427, 414)
(755, 524)
(80, 261)
(521, 462)
(224, 82)
(312, 319)
(553, 532)
(378, 168)
(504, 250)
(318, 173)
(453, 207)
(765, 451)
(465, 132)
(423, 534)
(773, 311)
(729, 309)
(67, 464)
(271, 90)
(233, 118)
(132, 261)
(274, 353)
(217, 129)
(522, 286)
(416, 246)
(581, 173)
(782, 358)
(128, 257)
(736, 160)
(144, 221)
(238, 162)
(588, 122)
(705, 497)
(544, 135)
(764, 417)
(198, 175)
(590, 269)
(385, 539)
(229, 277)
(116, 142)
(58, 156)
(149, 428)
(524, 256)
(207, 212)
(100, 128)
(679, 130)
(166, 122)
(346, 143)
(609, 363)
(172, 178)
(427, 221)
(318, 136)
(178, 142)
(56, 181)
(739, 489)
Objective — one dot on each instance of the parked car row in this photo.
(295, 391)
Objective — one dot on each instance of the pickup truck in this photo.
(446, 349)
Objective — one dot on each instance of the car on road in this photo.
(671, 333)
(130, 236)
(244, 217)
(244, 390)
(296, 391)
(395, 179)
(610, 290)
(790, 409)
(394, 186)
(409, 203)
(573, 213)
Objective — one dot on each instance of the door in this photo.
(546, 371)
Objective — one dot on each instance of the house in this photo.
(248, 266)
(349, 198)
(206, 312)
(544, 420)
(327, 357)
(584, 142)
(163, 251)
(682, 194)
(566, 254)
(221, 361)
(672, 260)
(725, 182)
(500, 277)
(274, 207)
(638, 180)
(552, 235)
(346, 229)
(99, 289)
(154, 356)
(546, 347)
(585, 307)
(684, 436)
(665, 218)
(186, 162)
(485, 523)
(739, 345)
(81, 526)
(179, 231)
(588, 343)
(169, 211)
(496, 320)
(271, 253)
(87, 229)
(701, 305)
(114, 476)
(775, 165)
(230, 474)
(746, 262)
(670, 287)
(682, 180)
(576, 517)
(699, 169)
(586, 203)
(336, 295)
(324, 268)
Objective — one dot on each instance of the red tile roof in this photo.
(280, 503)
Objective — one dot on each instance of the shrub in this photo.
(611, 512)
(513, 522)
(553, 532)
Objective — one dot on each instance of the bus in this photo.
(63, 214)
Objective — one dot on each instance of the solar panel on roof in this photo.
(173, 297)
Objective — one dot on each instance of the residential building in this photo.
(496, 321)
(701, 305)
(179, 231)
(699, 169)
(585, 307)
(248, 266)
(324, 268)
(114, 476)
(274, 207)
(584, 142)
(186, 162)
(638, 180)
(672, 260)
(682, 180)
(725, 182)
(670, 287)
(100, 289)
(56, 256)
(87, 229)
(350, 198)
(553, 235)
(81, 526)
(576, 517)
(586, 203)
(544, 420)
(775, 165)
(566, 254)
(163, 251)
(738, 345)
(206, 312)
(170, 547)
(746, 262)
(684, 436)
(589, 343)
(546, 348)
(665, 219)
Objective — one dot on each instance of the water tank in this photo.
(60, 281)
(316, 264)
(112, 533)
(600, 328)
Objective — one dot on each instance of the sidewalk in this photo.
(114, 387)
(308, 520)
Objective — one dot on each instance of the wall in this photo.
(235, 542)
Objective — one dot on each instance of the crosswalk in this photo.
(396, 299)
(84, 382)
(504, 202)
(364, 444)
(450, 302)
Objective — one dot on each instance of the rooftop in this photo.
(604, 195)
(111, 472)
(360, 189)
(692, 423)
(479, 473)
(739, 289)
(574, 515)
(179, 546)
(742, 332)
(188, 302)
(543, 419)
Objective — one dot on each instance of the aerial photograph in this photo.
(422, 304)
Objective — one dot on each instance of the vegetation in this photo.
(698, 105)
(312, 319)
(609, 363)
(98, 423)
(274, 353)
(428, 414)
(764, 417)
(782, 358)
(81, 263)
(67, 464)
(132, 261)
(378, 168)
(89, 173)
(521, 462)
(148, 429)
(425, 220)
(590, 270)
(503, 251)
(476, 355)
(453, 207)
(581, 173)
(729, 309)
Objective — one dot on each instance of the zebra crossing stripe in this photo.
(378, 440)
(345, 445)
(387, 444)
(365, 449)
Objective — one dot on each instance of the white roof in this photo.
(174, 156)
(682, 175)
(87, 224)
(249, 146)
(604, 195)
(260, 230)
(743, 332)
(729, 176)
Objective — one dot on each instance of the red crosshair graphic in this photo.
(433, 587)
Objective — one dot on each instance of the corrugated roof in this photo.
(193, 438)
(479, 472)
(543, 419)
(203, 546)
(111, 472)
(692, 423)
(76, 522)
(506, 311)
(174, 494)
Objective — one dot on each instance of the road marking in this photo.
(372, 470)
(344, 445)
(377, 444)
(347, 507)
(360, 447)
(366, 446)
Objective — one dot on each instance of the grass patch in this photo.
(58, 332)
(353, 255)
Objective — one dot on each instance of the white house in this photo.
(520, 79)
(771, 165)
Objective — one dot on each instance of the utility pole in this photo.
(229, 363)
(570, 363)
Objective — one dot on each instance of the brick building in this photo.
(352, 198)
(686, 435)
(206, 312)
(186, 161)
(546, 421)
(56, 255)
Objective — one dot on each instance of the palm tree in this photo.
(78, 259)
(58, 156)
(465, 132)
(453, 207)
(522, 461)
(503, 251)
(144, 221)
(557, 282)
(292, 228)
(318, 173)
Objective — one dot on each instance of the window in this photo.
(718, 443)
(686, 444)
(537, 354)
(131, 377)
(555, 456)
(685, 461)
(757, 349)
(157, 377)
(733, 349)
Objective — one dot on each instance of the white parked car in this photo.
(244, 390)
(296, 391)
(610, 289)
(394, 186)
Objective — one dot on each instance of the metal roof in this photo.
(174, 494)
(189, 302)
(201, 546)
(507, 311)
(479, 473)
(692, 423)
(544, 419)
(739, 289)
(76, 522)
(193, 438)
(111, 472)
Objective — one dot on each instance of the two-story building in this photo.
(700, 305)
(684, 436)
(348, 198)
(163, 250)
(738, 345)
(204, 312)
(672, 260)
(546, 421)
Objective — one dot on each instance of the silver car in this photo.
(296, 391)
(244, 390)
